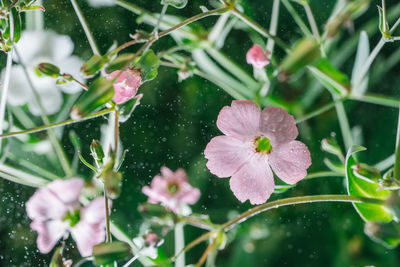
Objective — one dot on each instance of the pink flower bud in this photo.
(126, 85)
(257, 57)
(151, 239)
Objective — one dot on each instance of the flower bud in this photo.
(126, 84)
(97, 151)
(93, 65)
(257, 57)
(106, 253)
(49, 69)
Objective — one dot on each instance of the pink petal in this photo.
(95, 211)
(290, 161)
(187, 194)
(254, 181)
(256, 57)
(226, 155)
(87, 235)
(240, 120)
(277, 125)
(48, 234)
(166, 172)
(68, 191)
(126, 85)
(44, 205)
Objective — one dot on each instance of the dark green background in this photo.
(174, 123)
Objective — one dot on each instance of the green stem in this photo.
(320, 110)
(85, 27)
(311, 21)
(299, 21)
(377, 100)
(56, 124)
(323, 174)
(62, 157)
(108, 229)
(249, 21)
(396, 170)
(273, 26)
(344, 125)
(276, 204)
(179, 245)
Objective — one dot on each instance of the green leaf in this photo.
(100, 92)
(364, 188)
(126, 109)
(361, 58)
(148, 65)
(305, 52)
(106, 253)
(383, 24)
(175, 3)
(93, 65)
(387, 234)
(119, 62)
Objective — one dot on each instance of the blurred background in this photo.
(176, 120)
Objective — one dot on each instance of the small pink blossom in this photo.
(126, 85)
(254, 141)
(55, 211)
(171, 189)
(257, 57)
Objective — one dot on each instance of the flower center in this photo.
(173, 189)
(73, 217)
(263, 145)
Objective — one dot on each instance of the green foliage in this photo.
(106, 253)
(148, 65)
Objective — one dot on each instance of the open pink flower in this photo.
(257, 57)
(253, 142)
(171, 189)
(126, 85)
(55, 211)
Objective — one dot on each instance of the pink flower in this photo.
(55, 211)
(253, 142)
(171, 189)
(257, 57)
(126, 85)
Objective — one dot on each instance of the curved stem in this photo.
(57, 124)
(276, 204)
(320, 110)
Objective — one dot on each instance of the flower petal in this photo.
(50, 97)
(88, 235)
(44, 205)
(257, 57)
(48, 234)
(68, 191)
(226, 154)
(278, 125)
(254, 181)
(240, 120)
(19, 91)
(95, 211)
(290, 161)
(187, 194)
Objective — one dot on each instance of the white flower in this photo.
(36, 47)
(101, 3)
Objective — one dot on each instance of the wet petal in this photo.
(68, 191)
(290, 161)
(88, 235)
(240, 120)
(44, 205)
(19, 91)
(48, 234)
(187, 194)
(226, 155)
(277, 125)
(95, 211)
(254, 181)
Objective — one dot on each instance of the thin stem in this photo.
(163, 11)
(344, 125)
(85, 27)
(62, 157)
(396, 170)
(57, 124)
(179, 245)
(108, 231)
(116, 131)
(299, 21)
(377, 100)
(206, 252)
(323, 174)
(311, 21)
(249, 21)
(273, 26)
(3, 101)
(276, 204)
(320, 110)
(131, 260)
(373, 55)
(125, 45)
